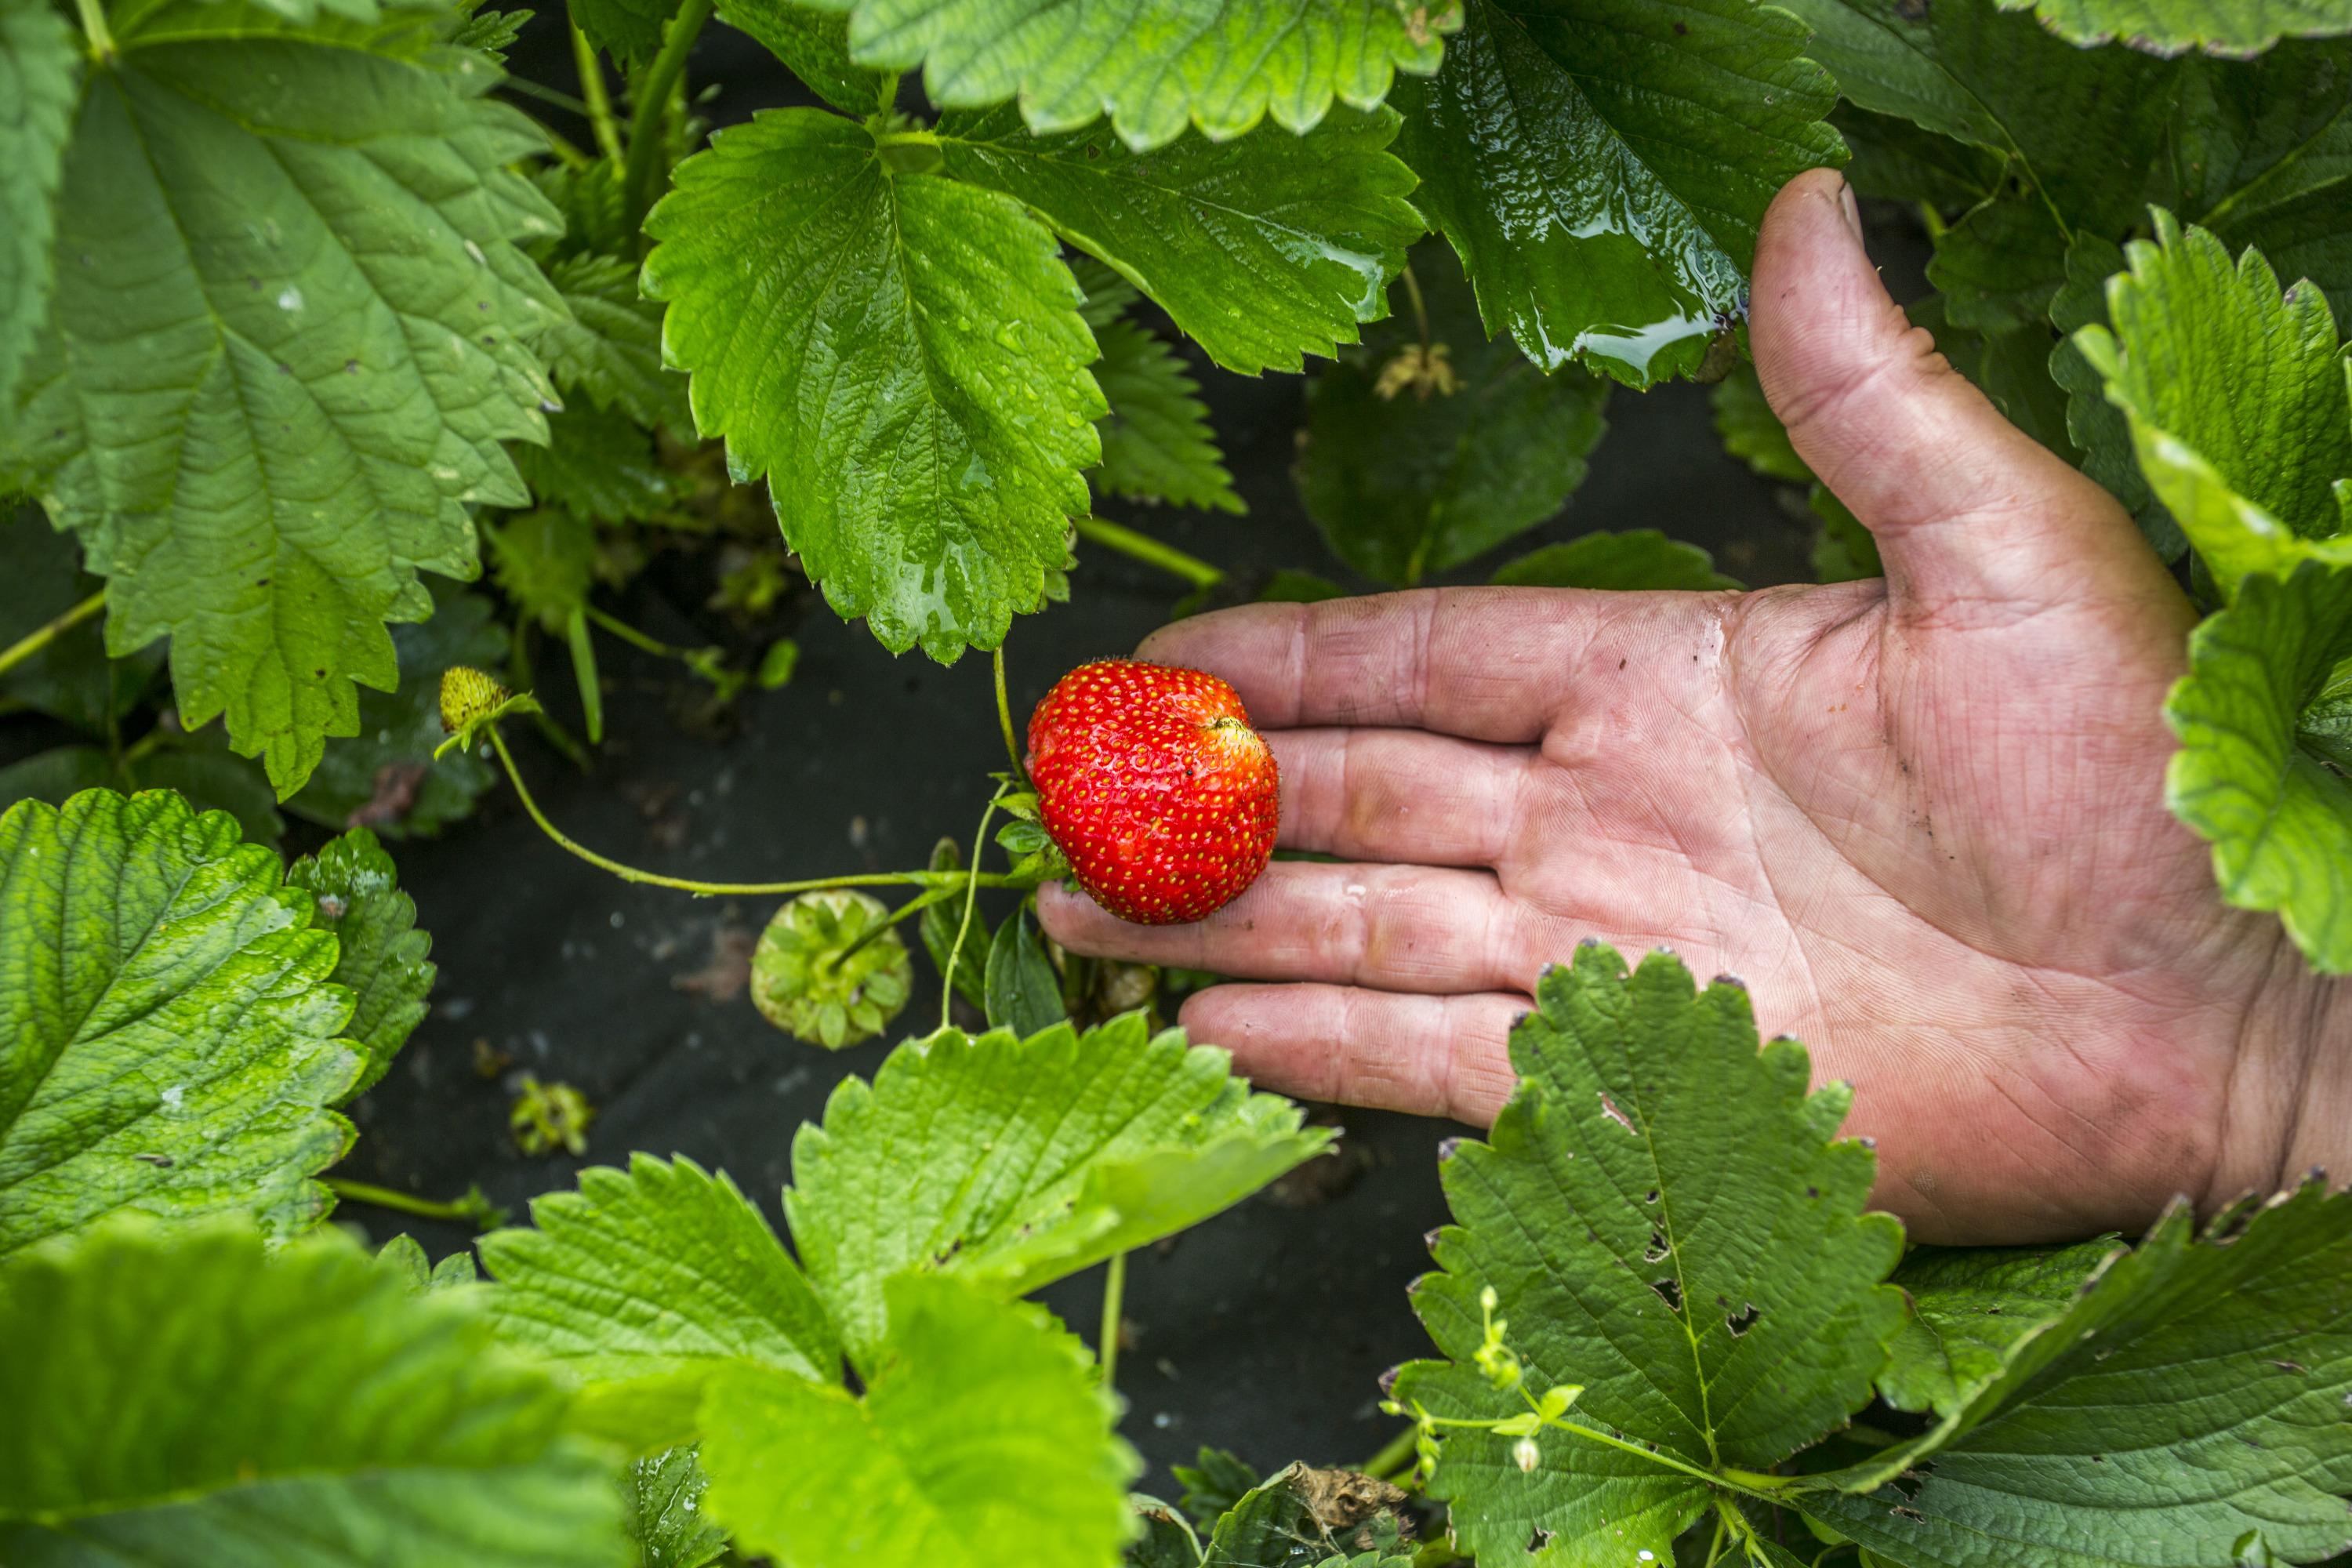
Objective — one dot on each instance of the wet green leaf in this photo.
(1601, 167)
(664, 1514)
(382, 956)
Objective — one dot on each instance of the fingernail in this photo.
(1847, 206)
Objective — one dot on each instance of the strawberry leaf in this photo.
(169, 1035)
(929, 440)
(2168, 26)
(199, 1400)
(1664, 1219)
(1156, 441)
(1968, 1307)
(1016, 1161)
(380, 954)
(1153, 65)
(664, 1515)
(40, 73)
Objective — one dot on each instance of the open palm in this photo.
(1922, 818)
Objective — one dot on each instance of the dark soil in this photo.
(1263, 1331)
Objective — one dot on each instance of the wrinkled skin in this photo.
(1922, 818)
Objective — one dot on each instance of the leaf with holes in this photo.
(282, 370)
(1665, 1218)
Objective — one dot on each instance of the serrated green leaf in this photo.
(608, 349)
(663, 1493)
(1897, 161)
(647, 1284)
(2245, 1341)
(489, 33)
(1165, 1540)
(1262, 249)
(199, 1401)
(382, 956)
(2169, 27)
(1156, 441)
(168, 1036)
(1023, 993)
(40, 70)
(384, 778)
(202, 771)
(814, 45)
(1601, 167)
(404, 1259)
(2277, 812)
(1640, 558)
(1425, 448)
(983, 1425)
(1667, 1222)
(1153, 65)
(2235, 393)
(261, 423)
(1276, 1525)
(939, 925)
(1968, 1307)
(2000, 265)
(1006, 1160)
(927, 442)
(1751, 432)
(2097, 426)
(1215, 1480)
(598, 466)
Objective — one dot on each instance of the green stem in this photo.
(1420, 310)
(730, 889)
(34, 641)
(1396, 1454)
(562, 100)
(963, 926)
(1004, 720)
(1145, 548)
(465, 1211)
(1114, 1300)
(653, 91)
(93, 22)
(600, 100)
(585, 674)
(1718, 1478)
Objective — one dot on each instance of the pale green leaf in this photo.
(198, 1400)
(1640, 558)
(1430, 445)
(1667, 1222)
(814, 44)
(1968, 1306)
(902, 352)
(384, 778)
(404, 1259)
(2065, 1460)
(1008, 1161)
(647, 1284)
(608, 349)
(168, 1035)
(2097, 428)
(1751, 432)
(982, 1432)
(1601, 167)
(2277, 810)
(1153, 65)
(2169, 27)
(664, 1514)
(1262, 249)
(1156, 441)
(598, 466)
(39, 69)
(382, 956)
(294, 336)
(2235, 393)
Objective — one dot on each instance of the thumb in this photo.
(1966, 507)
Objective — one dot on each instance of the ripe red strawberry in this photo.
(1151, 781)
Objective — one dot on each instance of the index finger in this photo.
(1486, 664)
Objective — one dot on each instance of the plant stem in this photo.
(463, 1210)
(963, 926)
(1114, 1300)
(1397, 1453)
(729, 890)
(600, 100)
(562, 100)
(1420, 310)
(653, 91)
(1145, 548)
(1004, 721)
(34, 641)
(93, 22)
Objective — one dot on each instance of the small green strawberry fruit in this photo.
(817, 977)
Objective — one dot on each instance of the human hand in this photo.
(1923, 817)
